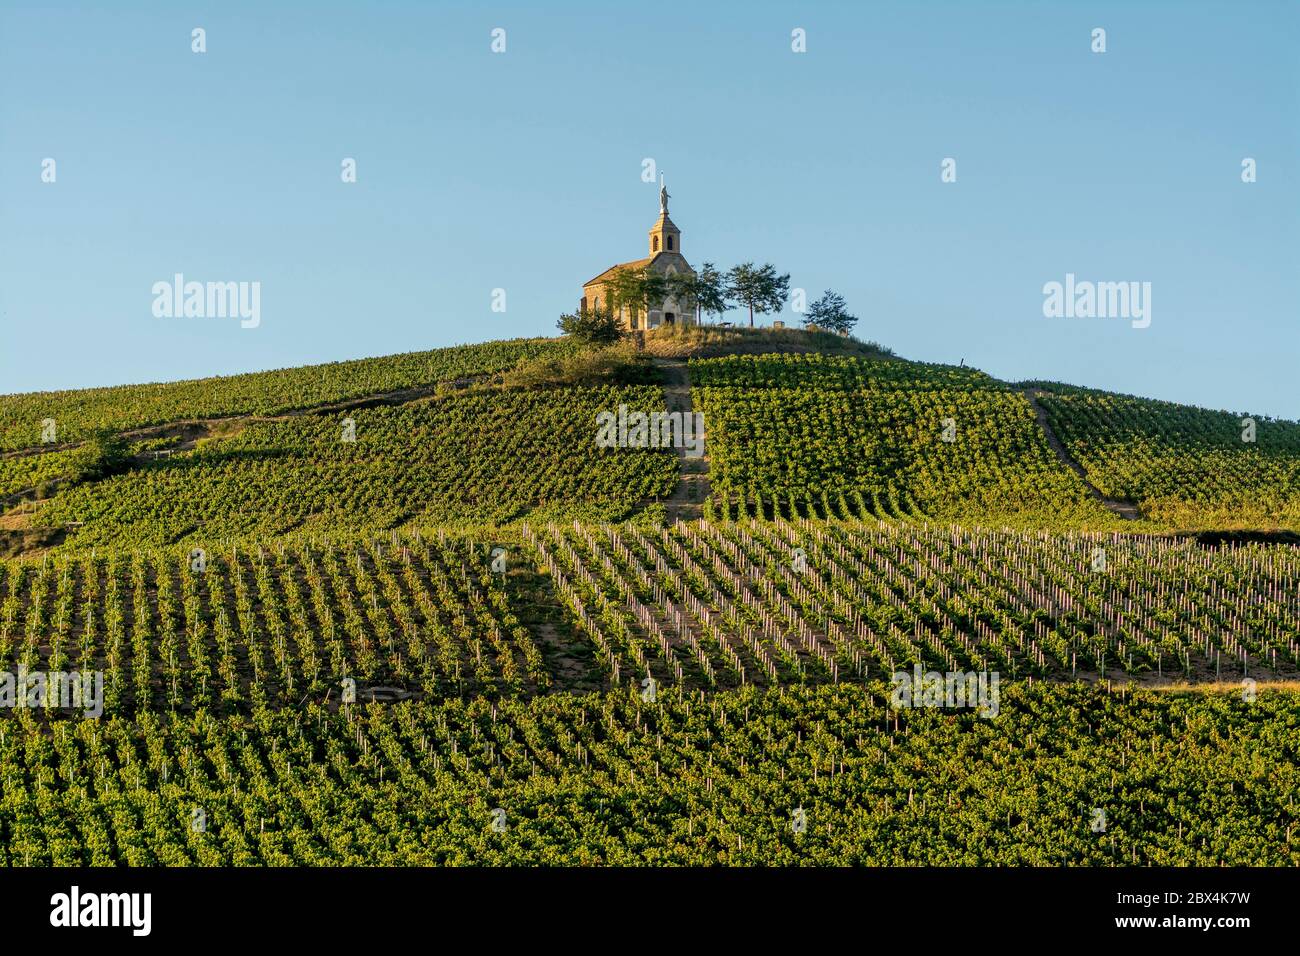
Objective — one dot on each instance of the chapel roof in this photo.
(634, 264)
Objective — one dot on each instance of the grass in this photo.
(683, 341)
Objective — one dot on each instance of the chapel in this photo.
(666, 257)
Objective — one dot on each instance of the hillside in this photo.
(78, 412)
(447, 437)
(352, 611)
(1182, 466)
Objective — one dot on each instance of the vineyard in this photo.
(18, 475)
(408, 611)
(788, 436)
(1187, 467)
(825, 775)
(776, 603)
(479, 457)
(267, 627)
(77, 413)
(843, 437)
(598, 606)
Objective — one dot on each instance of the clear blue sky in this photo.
(522, 171)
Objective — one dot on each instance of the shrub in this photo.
(102, 455)
(592, 326)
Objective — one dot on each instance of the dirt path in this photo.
(687, 501)
(1125, 509)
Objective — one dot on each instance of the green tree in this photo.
(758, 288)
(592, 326)
(103, 454)
(829, 313)
(704, 291)
(638, 289)
(621, 291)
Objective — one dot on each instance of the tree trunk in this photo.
(751, 316)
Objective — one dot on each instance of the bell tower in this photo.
(664, 235)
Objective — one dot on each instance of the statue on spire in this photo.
(663, 196)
